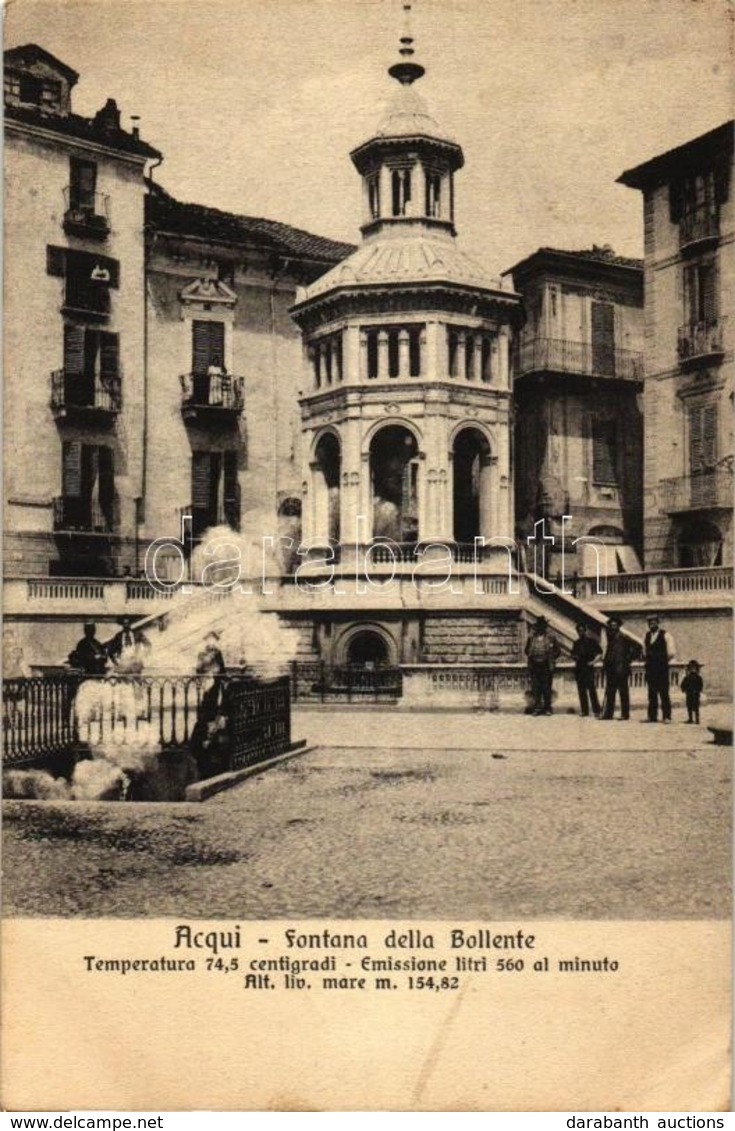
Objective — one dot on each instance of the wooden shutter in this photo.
(200, 348)
(109, 355)
(56, 261)
(232, 490)
(106, 484)
(703, 438)
(71, 472)
(603, 338)
(83, 183)
(201, 480)
(708, 301)
(208, 346)
(73, 349)
(604, 453)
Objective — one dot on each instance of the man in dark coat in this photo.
(616, 663)
(658, 654)
(89, 654)
(542, 651)
(585, 650)
(122, 640)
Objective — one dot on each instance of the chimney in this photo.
(135, 128)
(108, 118)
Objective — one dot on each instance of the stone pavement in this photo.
(407, 815)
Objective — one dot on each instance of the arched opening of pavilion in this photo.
(471, 485)
(326, 469)
(394, 467)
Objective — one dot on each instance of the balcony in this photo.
(556, 355)
(84, 514)
(211, 398)
(701, 341)
(699, 228)
(88, 217)
(76, 397)
(708, 490)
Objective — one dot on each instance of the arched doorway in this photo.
(394, 470)
(326, 473)
(367, 649)
(471, 485)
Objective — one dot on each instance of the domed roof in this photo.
(410, 258)
(408, 116)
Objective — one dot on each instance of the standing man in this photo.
(542, 650)
(585, 650)
(616, 664)
(658, 655)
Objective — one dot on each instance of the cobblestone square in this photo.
(402, 815)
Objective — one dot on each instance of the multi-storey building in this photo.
(224, 369)
(74, 326)
(578, 375)
(689, 234)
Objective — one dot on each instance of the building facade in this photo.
(578, 380)
(74, 326)
(689, 234)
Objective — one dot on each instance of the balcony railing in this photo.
(707, 490)
(701, 339)
(84, 515)
(88, 218)
(560, 356)
(213, 395)
(700, 226)
(74, 394)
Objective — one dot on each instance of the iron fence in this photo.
(57, 714)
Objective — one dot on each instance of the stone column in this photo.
(430, 366)
(350, 481)
(477, 358)
(386, 192)
(461, 351)
(351, 355)
(504, 358)
(382, 354)
(487, 465)
(404, 355)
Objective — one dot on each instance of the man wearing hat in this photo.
(122, 640)
(616, 665)
(585, 650)
(658, 653)
(89, 654)
(542, 650)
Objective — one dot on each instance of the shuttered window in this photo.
(605, 453)
(88, 351)
(74, 349)
(82, 184)
(215, 491)
(700, 293)
(702, 438)
(88, 486)
(208, 346)
(109, 355)
(71, 475)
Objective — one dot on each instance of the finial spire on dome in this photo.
(406, 71)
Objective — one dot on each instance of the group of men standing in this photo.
(543, 650)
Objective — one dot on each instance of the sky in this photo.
(256, 104)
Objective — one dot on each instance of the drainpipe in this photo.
(279, 270)
(140, 509)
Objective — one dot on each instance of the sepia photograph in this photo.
(368, 469)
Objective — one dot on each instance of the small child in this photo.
(692, 685)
